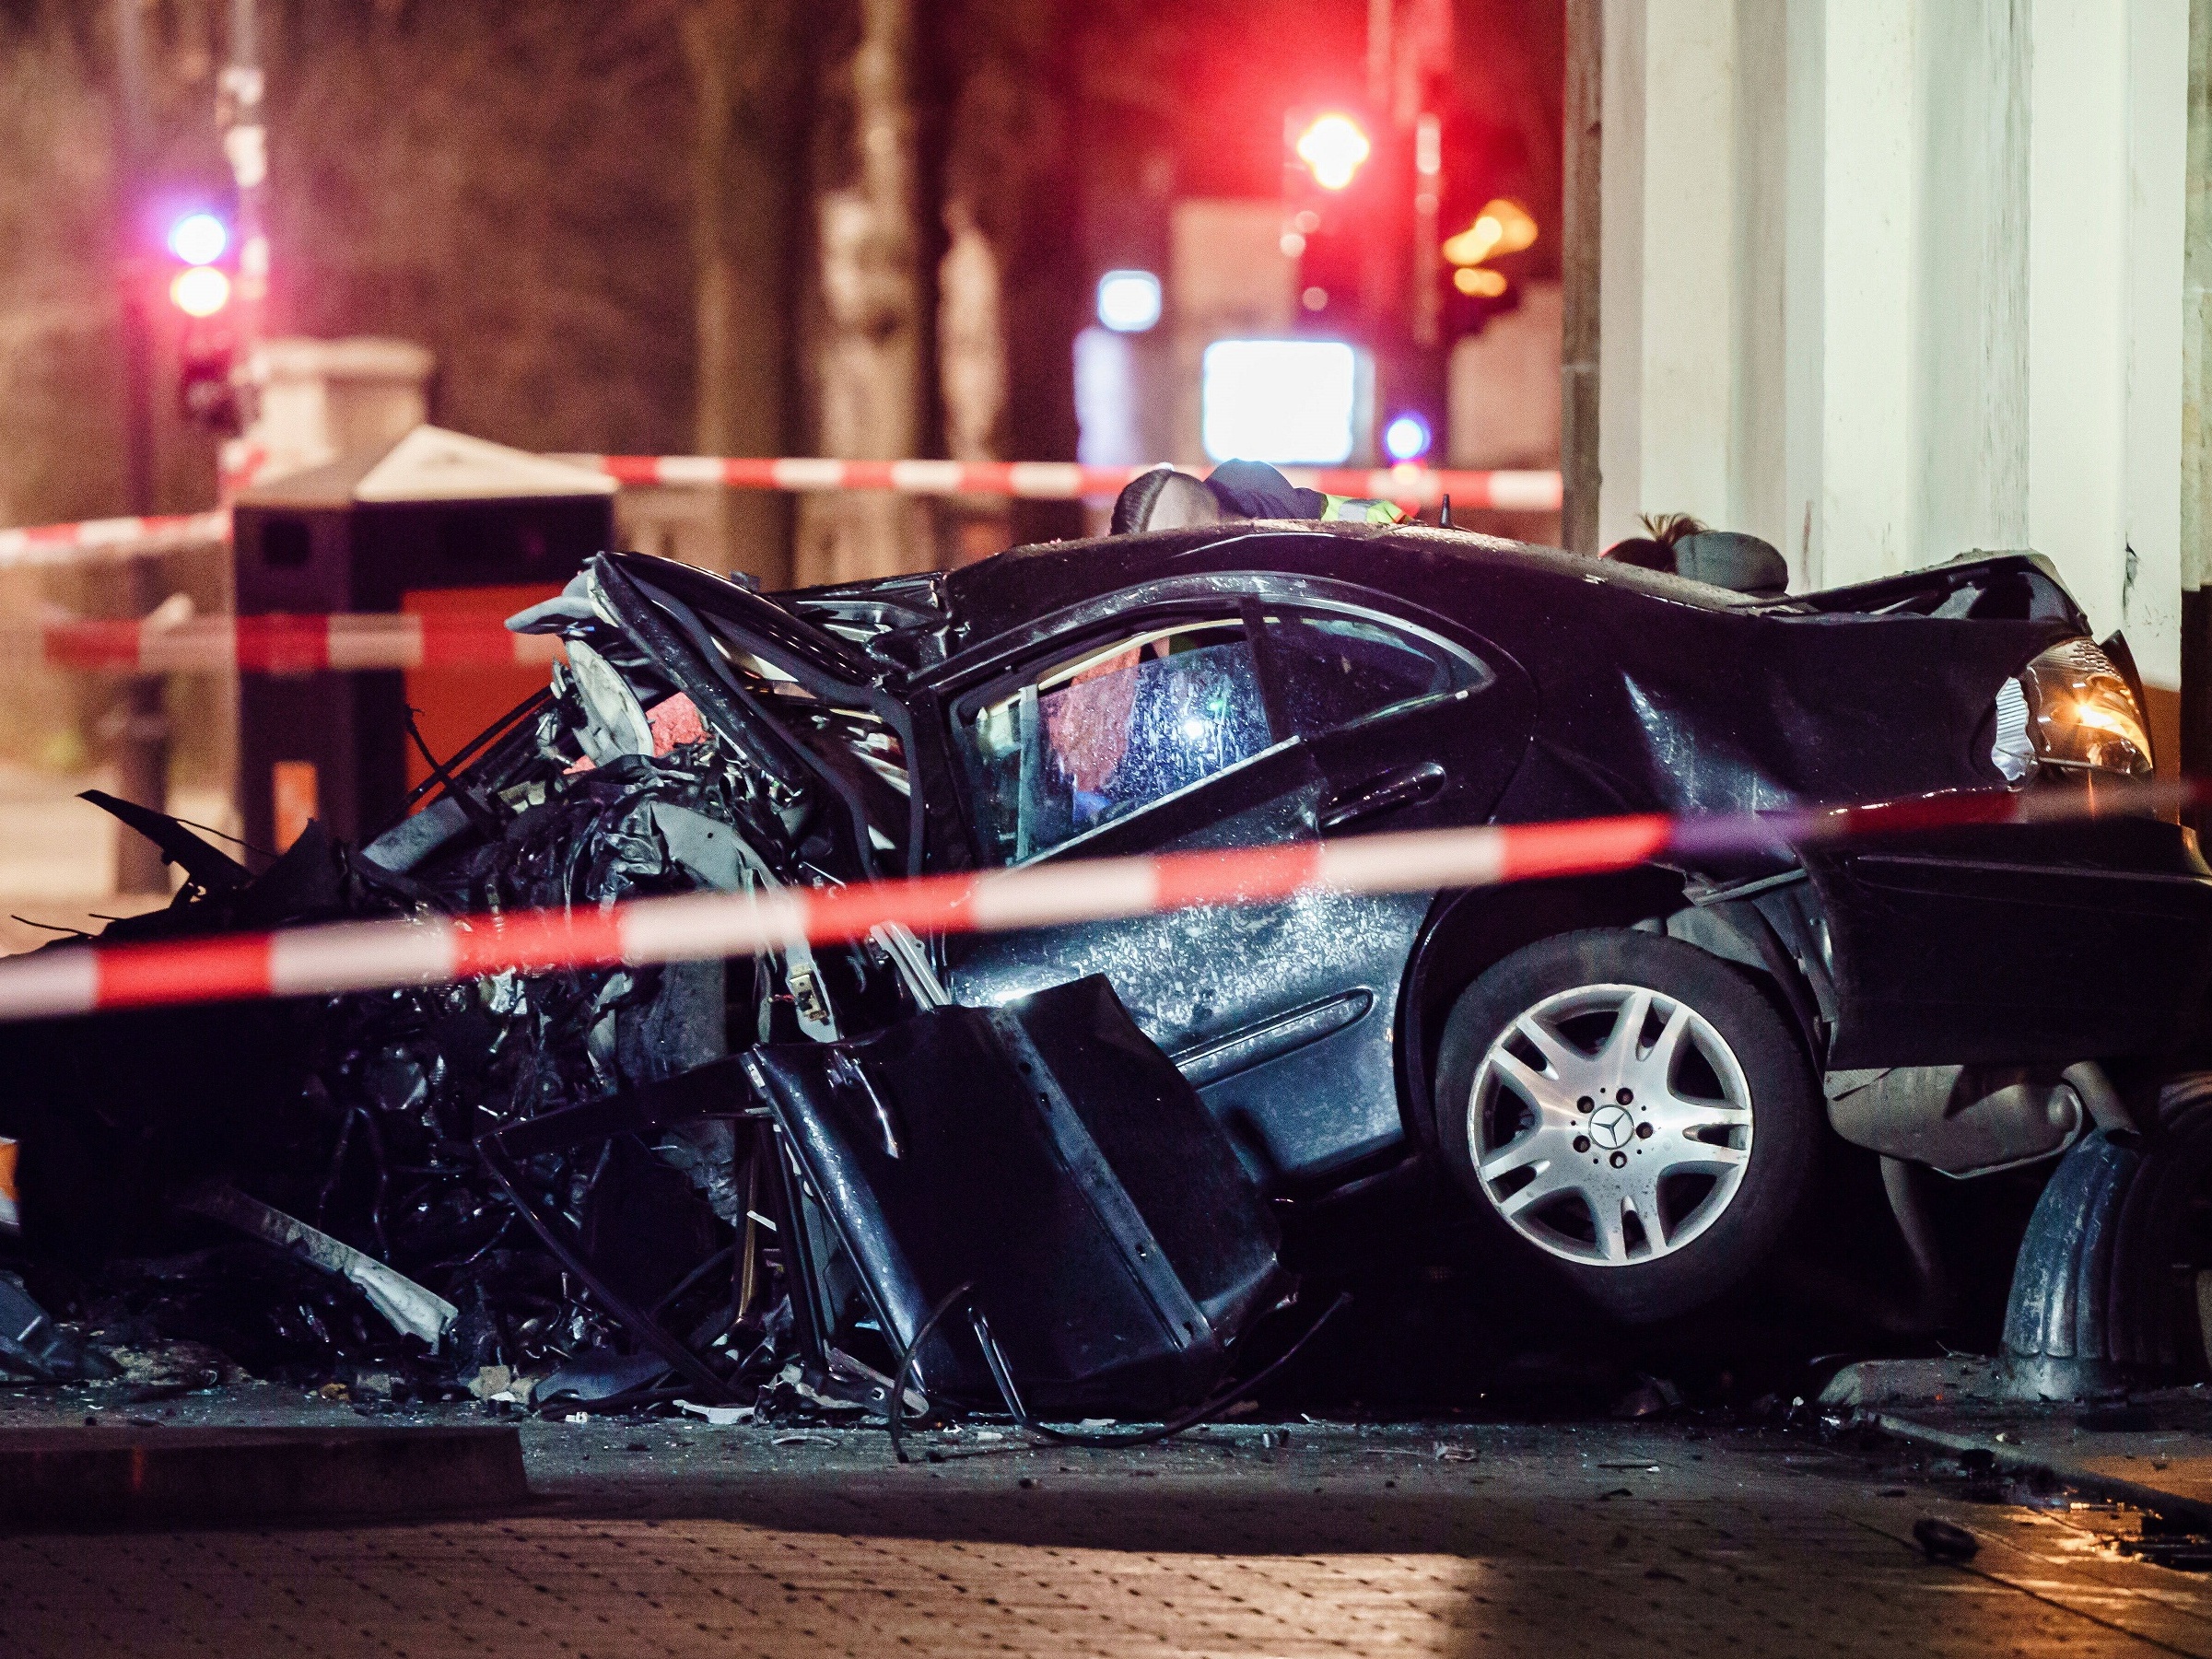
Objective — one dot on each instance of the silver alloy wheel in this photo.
(1609, 1124)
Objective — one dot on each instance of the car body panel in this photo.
(1285, 1013)
(1624, 690)
(2015, 943)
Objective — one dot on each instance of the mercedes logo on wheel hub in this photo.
(1612, 1128)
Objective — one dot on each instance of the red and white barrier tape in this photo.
(1023, 479)
(1061, 481)
(293, 644)
(112, 538)
(377, 955)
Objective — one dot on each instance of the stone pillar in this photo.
(1887, 281)
(322, 398)
(2195, 713)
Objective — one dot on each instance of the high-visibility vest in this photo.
(1358, 509)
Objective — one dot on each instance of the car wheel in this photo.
(1628, 1112)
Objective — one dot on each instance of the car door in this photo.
(1409, 730)
(1238, 720)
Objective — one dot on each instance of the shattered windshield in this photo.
(1102, 735)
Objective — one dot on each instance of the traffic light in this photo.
(1337, 204)
(1333, 148)
(200, 289)
(199, 239)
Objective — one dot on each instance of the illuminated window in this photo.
(1289, 402)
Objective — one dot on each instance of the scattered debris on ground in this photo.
(1943, 1541)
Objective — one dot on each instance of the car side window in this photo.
(1334, 670)
(1108, 731)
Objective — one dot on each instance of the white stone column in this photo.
(1804, 291)
(1864, 331)
(1890, 281)
(1689, 263)
(1620, 306)
(2078, 304)
(2157, 141)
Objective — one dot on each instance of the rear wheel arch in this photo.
(1468, 930)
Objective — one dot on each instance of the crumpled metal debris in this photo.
(601, 1375)
(32, 1344)
(413, 1311)
(1047, 1159)
(1651, 1397)
(564, 1183)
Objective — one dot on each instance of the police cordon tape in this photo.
(292, 644)
(384, 954)
(95, 539)
(1064, 481)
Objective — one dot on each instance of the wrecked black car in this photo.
(1623, 1075)
(1070, 1146)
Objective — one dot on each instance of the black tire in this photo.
(1728, 1234)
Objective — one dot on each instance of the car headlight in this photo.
(2073, 709)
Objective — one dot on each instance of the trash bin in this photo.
(434, 524)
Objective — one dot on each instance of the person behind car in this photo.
(1680, 546)
(1167, 499)
(1252, 489)
(1654, 549)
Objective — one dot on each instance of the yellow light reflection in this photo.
(1478, 282)
(1501, 227)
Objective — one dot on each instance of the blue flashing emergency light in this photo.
(1407, 437)
(199, 239)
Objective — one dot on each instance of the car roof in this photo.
(1422, 564)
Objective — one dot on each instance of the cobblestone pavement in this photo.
(659, 1538)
